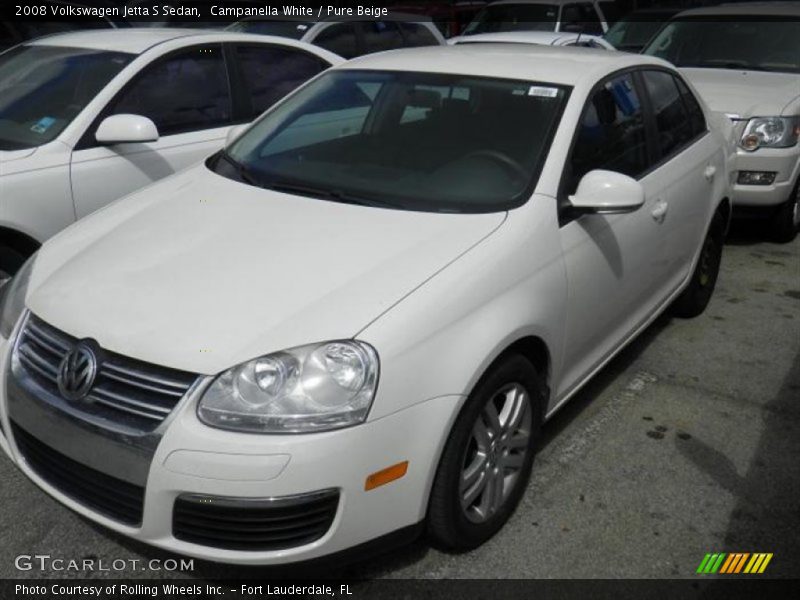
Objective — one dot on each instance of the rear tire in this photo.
(786, 220)
(487, 460)
(694, 299)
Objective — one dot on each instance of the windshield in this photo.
(45, 87)
(730, 44)
(413, 141)
(282, 28)
(514, 17)
(631, 35)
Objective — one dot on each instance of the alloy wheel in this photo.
(496, 453)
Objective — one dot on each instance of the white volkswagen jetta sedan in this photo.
(88, 117)
(355, 319)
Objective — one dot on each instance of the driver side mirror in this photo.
(607, 192)
(126, 129)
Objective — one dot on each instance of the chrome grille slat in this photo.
(31, 360)
(127, 391)
(113, 374)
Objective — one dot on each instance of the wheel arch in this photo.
(19, 241)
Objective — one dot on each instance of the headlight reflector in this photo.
(310, 388)
(12, 298)
(770, 132)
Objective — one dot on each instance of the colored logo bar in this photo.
(731, 563)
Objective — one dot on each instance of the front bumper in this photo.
(192, 458)
(785, 162)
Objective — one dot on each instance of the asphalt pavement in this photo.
(687, 443)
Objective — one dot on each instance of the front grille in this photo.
(108, 495)
(256, 525)
(127, 391)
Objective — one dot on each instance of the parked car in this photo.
(16, 31)
(354, 319)
(571, 16)
(745, 61)
(542, 38)
(449, 17)
(88, 117)
(631, 33)
(352, 36)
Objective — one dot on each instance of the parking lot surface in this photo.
(686, 444)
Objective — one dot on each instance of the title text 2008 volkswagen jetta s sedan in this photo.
(355, 319)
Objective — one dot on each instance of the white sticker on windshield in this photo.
(542, 92)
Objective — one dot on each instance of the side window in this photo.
(271, 72)
(672, 120)
(581, 18)
(339, 39)
(696, 116)
(187, 91)
(611, 134)
(417, 35)
(381, 35)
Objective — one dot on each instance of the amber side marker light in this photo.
(387, 475)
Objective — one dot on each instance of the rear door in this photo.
(187, 95)
(689, 160)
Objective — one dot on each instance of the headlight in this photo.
(12, 298)
(310, 388)
(770, 132)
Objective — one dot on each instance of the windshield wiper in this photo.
(326, 194)
(242, 171)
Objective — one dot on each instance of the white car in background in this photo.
(542, 38)
(88, 117)
(349, 37)
(744, 59)
(306, 343)
(564, 16)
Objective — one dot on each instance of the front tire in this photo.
(786, 220)
(10, 262)
(487, 460)
(695, 298)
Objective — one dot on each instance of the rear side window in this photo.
(381, 35)
(672, 119)
(696, 116)
(417, 35)
(271, 72)
(612, 133)
(339, 39)
(187, 91)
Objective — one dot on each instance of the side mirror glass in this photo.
(126, 129)
(607, 192)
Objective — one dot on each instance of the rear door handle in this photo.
(710, 171)
(660, 211)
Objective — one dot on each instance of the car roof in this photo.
(748, 9)
(553, 64)
(139, 40)
(520, 37)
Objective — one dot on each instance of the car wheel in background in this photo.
(694, 299)
(10, 262)
(487, 459)
(786, 221)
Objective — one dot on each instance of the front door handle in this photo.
(710, 171)
(660, 211)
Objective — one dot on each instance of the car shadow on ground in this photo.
(380, 562)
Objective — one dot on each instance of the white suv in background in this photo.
(745, 61)
(88, 117)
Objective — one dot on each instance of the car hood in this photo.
(7, 156)
(201, 273)
(745, 93)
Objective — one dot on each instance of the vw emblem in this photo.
(77, 371)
